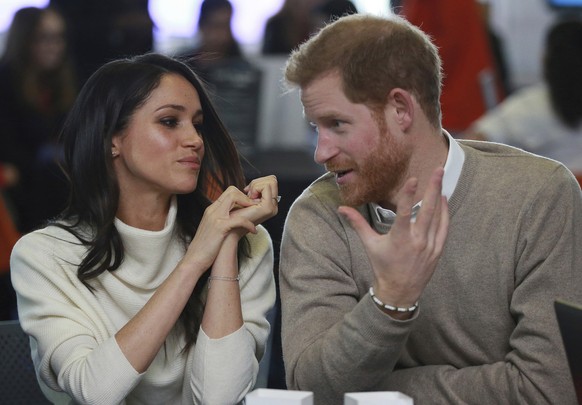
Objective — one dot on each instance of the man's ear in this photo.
(402, 106)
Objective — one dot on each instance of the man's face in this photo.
(370, 163)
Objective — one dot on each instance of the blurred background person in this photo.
(103, 30)
(9, 177)
(545, 118)
(38, 87)
(289, 27)
(233, 82)
(471, 84)
(214, 41)
(497, 47)
(332, 10)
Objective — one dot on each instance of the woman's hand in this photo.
(264, 193)
(216, 224)
(215, 242)
(234, 212)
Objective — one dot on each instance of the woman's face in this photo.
(48, 47)
(161, 150)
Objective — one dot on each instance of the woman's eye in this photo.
(198, 126)
(169, 122)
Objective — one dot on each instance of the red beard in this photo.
(380, 176)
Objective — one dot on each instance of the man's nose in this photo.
(325, 148)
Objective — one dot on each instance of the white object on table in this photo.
(267, 396)
(377, 398)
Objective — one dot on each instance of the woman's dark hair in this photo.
(562, 67)
(103, 108)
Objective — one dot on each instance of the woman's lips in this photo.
(191, 162)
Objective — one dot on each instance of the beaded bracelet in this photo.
(390, 307)
(222, 278)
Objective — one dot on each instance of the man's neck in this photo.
(430, 153)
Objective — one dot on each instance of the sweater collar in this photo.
(127, 230)
(145, 251)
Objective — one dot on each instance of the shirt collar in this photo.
(453, 167)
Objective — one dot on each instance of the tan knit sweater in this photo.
(485, 332)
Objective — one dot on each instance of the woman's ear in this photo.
(402, 106)
(114, 147)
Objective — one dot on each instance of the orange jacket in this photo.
(8, 237)
(458, 30)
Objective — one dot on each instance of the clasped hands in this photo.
(404, 259)
(261, 202)
(234, 214)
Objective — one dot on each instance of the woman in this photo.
(38, 87)
(144, 291)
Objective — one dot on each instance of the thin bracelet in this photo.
(222, 278)
(391, 307)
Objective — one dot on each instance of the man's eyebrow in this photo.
(330, 116)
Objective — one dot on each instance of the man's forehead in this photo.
(324, 88)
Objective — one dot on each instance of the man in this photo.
(386, 285)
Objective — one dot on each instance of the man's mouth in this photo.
(341, 173)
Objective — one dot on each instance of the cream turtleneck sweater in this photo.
(72, 329)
